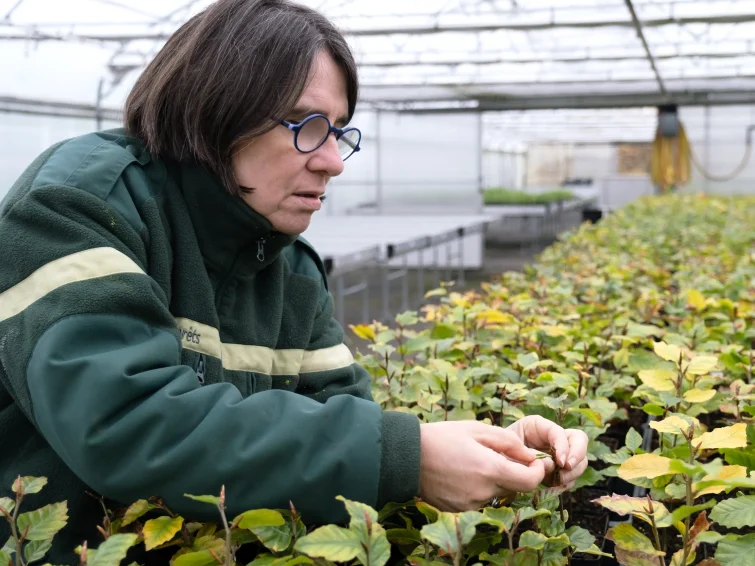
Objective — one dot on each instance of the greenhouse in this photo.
(550, 215)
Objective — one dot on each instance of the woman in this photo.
(164, 330)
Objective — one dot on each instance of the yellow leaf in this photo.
(364, 331)
(637, 506)
(696, 299)
(726, 473)
(621, 358)
(699, 395)
(491, 316)
(644, 466)
(555, 330)
(629, 538)
(702, 365)
(659, 379)
(667, 351)
(734, 436)
(674, 424)
(161, 530)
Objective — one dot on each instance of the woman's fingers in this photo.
(542, 434)
(578, 442)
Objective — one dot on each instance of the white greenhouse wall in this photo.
(24, 137)
(718, 141)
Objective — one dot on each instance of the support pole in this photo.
(641, 34)
(378, 164)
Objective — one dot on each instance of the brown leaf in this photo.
(634, 558)
(701, 525)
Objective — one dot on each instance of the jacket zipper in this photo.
(261, 249)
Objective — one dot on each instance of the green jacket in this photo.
(158, 338)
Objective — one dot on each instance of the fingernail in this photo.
(572, 463)
(560, 459)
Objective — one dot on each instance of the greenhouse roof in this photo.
(437, 54)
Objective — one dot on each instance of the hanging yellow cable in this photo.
(672, 156)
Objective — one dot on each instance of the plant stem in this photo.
(657, 538)
(228, 546)
(445, 400)
(690, 500)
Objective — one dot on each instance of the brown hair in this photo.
(225, 73)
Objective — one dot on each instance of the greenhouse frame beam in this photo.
(420, 30)
(641, 35)
(496, 59)
(558, 102)
(57, 109)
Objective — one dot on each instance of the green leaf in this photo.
(331, 542)
(29, 484)
(8, 504)
(445, 532)
(44, 523)
(735, 513)
(736, 551)
(642, 359)
(709, 537)
(502, 518)
(201, 558)
(594, 550)
(531, 539)
(653, 409)
(682, 467)
(740, 457)
(403, 536)
(376, 550)
(161, 530)
(633, 440)
(36, 550)
(113, 550)
(270, 560)
(442, 331)
(276, 539)
(431, 513)
(391, 508)
(684, 511)
(526, 513)
(137, 510)
(211, 499)
(589, 477)
(260, 518)
(5, 559)
(580, 538)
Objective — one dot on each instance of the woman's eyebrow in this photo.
(304, 111)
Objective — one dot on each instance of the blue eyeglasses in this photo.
(313, 131)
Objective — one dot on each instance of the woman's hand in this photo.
(465, 464)
(569, 446)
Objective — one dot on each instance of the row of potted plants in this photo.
(639, 330)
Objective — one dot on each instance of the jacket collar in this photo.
(231, 235)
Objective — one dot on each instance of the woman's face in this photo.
(288, 184)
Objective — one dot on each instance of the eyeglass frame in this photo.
(339, 132)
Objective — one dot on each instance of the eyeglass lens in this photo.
(348, 142)
(314, 132)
